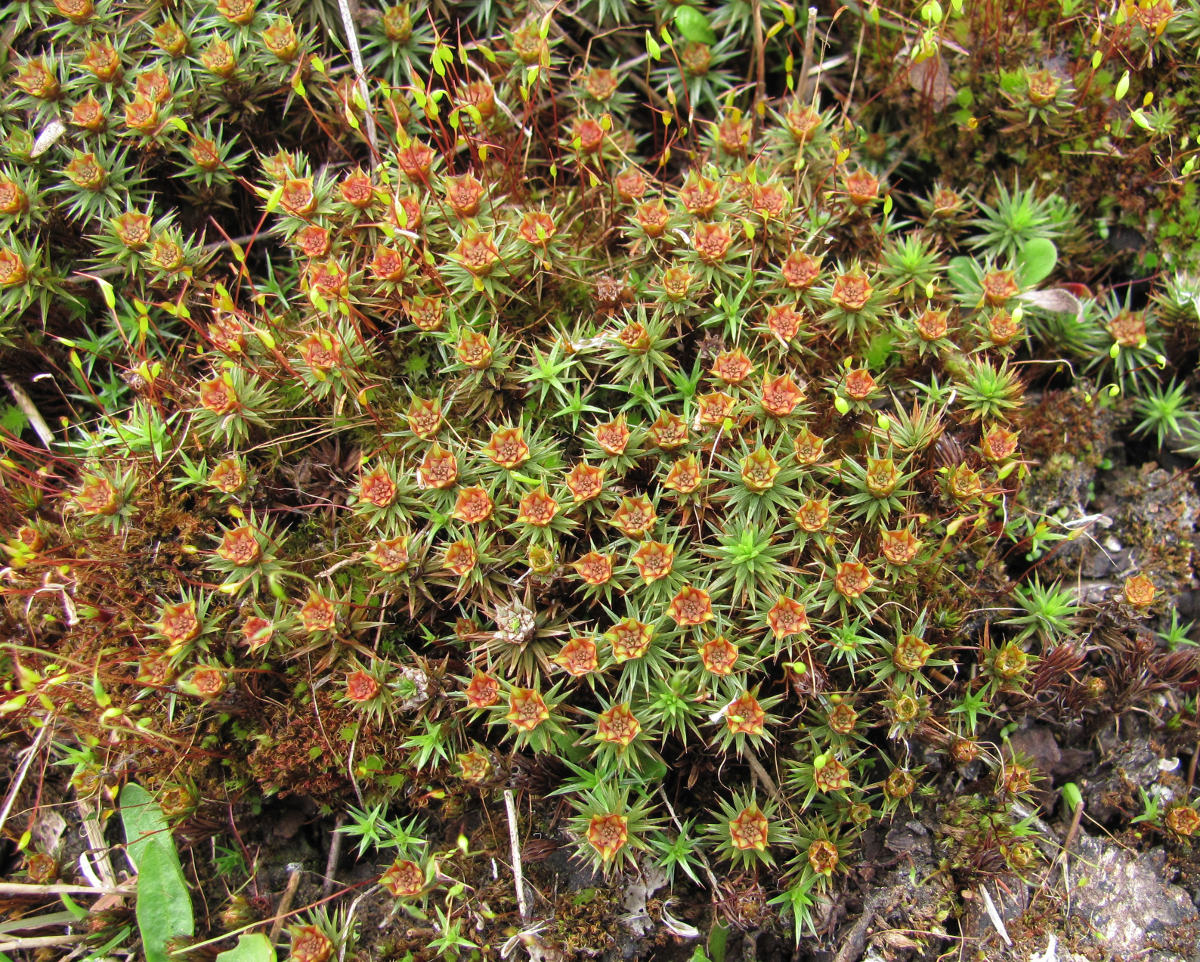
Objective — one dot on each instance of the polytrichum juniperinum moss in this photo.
(636, 425)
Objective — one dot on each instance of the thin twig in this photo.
(760, 60)
(514, 844)
(349, 921)
(279, 918)
(96, 844)
(1072, 831)
(285, 903)
(353, 559)
(806, 62)
(359, 71)
(41, 942)
(1191, 778)
(30, 753)
(22, 889)
(761, 774)
(858, 48)
(335, 854)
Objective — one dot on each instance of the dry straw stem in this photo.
(514, 844)
(40, 942)
(30, 753)
(359, 70)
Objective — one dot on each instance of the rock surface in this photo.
(1129, 903)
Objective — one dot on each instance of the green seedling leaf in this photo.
(164, 907)
(74, 907)
(1036, 260)
(694, 25)
(250, 948)
(1072, 796)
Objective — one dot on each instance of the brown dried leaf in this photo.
(931, 78)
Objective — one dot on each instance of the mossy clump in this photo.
(624, 424)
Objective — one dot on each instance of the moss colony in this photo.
(680, 418)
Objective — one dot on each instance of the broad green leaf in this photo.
(143, 821)
(164, 906)
(694, 25)
(1036, 260)
(250, 948)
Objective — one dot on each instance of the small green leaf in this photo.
(273, 199)
(74, 907)
(250, 948)
(1072, 796)
(1122, 87)
(694, 25)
